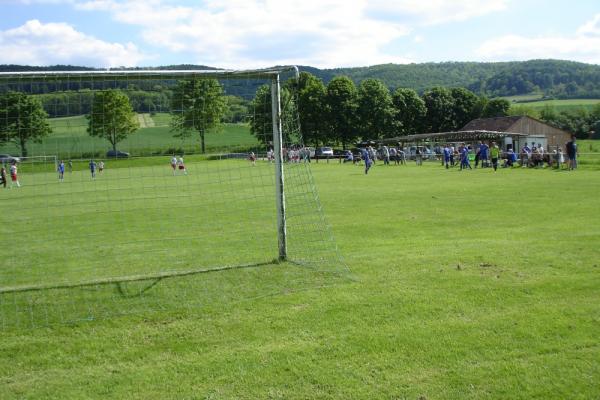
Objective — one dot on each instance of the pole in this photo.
(279, 176)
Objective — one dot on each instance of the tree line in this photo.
(343, 113)
(336, 113)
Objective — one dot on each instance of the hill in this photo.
(547, 78)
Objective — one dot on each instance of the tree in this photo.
(261, 114)
(342, 101)
(197, 105)
(375, 110)
(496, 108)
(312, 108)
(410, 111)
(22, 119)
(111, 117)
(465, 107)
(440, 110)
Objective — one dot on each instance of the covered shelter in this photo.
(509, 132)
(436, 140)
(535, 131)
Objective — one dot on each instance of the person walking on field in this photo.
(446, 156)
(61, 171)
(13, 175)
(174, 164)
(3, 177)
(92, 166)
(464, 158)
(386, 155)
(181, 165)
(572, 153)
(364, 153)
(101, 167)
(495, 155)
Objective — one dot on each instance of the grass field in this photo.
(559, 105)
(69, 139)
(464, 285)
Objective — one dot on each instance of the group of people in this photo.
(487, 155)
(178, 164)
(385, 153)
(535, 156)
(96, 166)
(14, 177)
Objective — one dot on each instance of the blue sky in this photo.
(320, 33)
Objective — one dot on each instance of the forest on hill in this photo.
(549, 78)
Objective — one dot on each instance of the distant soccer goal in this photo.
(173, 190)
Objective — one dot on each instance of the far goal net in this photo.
(153, 190)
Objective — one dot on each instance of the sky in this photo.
(242, 34)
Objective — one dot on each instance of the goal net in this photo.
(175, 190)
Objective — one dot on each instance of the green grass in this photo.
(69, 139)
(524, 97)
(467, 285)
(560, 105)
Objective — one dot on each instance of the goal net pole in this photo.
(279, 176)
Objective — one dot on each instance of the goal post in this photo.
(279, 174)
(184, 197)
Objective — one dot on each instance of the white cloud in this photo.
(430, 12)
(583, 46)
(259, 33)
(590, 28)
(35, 43)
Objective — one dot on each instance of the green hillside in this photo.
(69, 139)
(556, 78)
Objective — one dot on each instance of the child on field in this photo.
(13, 175)
(174, 164)
(61, 171)
(92, 166)
(181, 165)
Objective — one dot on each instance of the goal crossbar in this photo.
(117, 75)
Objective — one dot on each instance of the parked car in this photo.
(8, 159)
(116, 154)
(324, 152)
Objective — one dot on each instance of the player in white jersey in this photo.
(181, 165)
(13, 175)
(174, 164)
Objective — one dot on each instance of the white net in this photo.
(144, 190)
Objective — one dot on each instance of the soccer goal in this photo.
(197, 203)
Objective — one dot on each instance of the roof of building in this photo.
(458, 136)
(478, 129)
(499, 124)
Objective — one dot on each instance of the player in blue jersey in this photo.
(364, 153)
(447, 156)
(61, 171)
(464, 158)
(92, 166)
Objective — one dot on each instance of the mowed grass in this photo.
(69, 139)
(560, 105)
(466, 285)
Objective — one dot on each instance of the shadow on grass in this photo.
(41, 306)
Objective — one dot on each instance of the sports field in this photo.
(463, 285)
